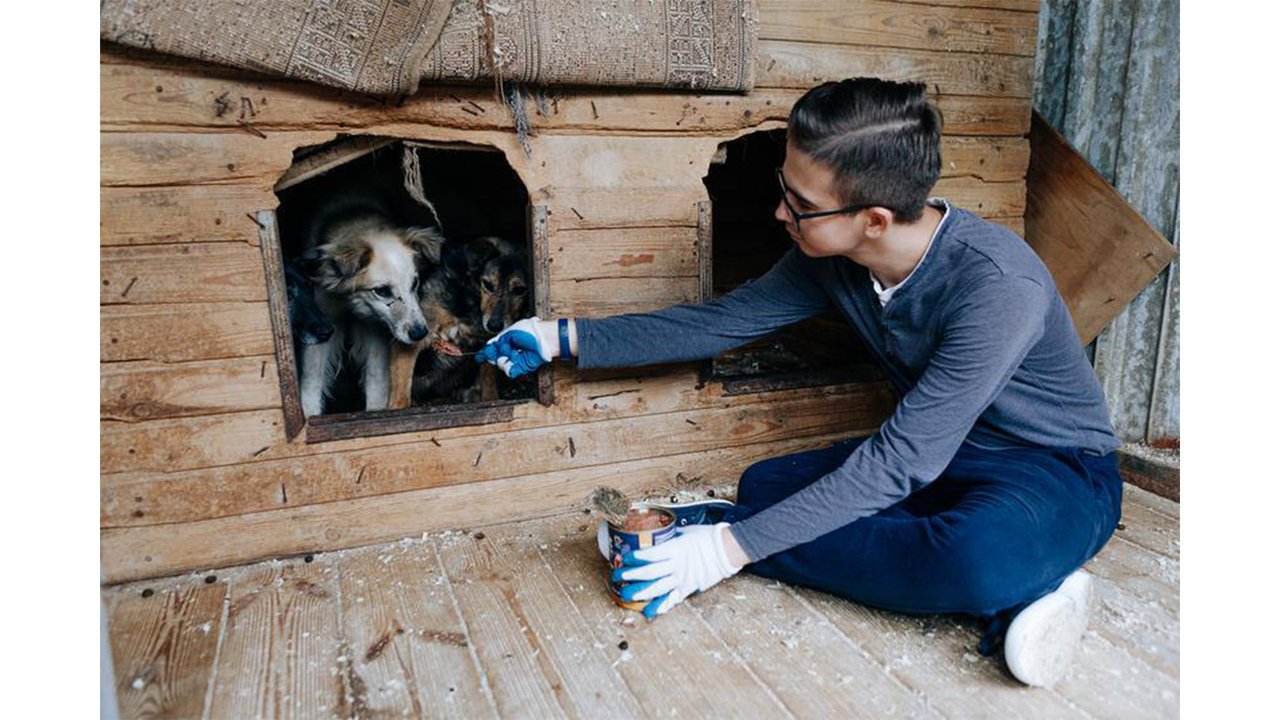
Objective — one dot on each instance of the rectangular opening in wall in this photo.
(743, 242)
(394, 262)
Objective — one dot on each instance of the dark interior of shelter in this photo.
(746, 241)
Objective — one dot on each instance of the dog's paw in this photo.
(312, 406)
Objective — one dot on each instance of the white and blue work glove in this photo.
(522, 347)
(692, 561)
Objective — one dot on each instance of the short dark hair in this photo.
(879, 137)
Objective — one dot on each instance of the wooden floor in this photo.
(513, 621)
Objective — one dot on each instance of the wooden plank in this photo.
(281, 327)
(164, 645)
(137, 552)
(409, 647)
(624, 253)
(193, 213)
(937, 657)
(1152, 502)
(283, 654)
(1100, 35)
(618, 163)
(134, 391)
(1145, 630)
(184, 332)
(322, 161)
(665, 663)
(1151, 577)
(899, 25)
(644, 391)
(990, 159)
(1163, 421)
(814, 669)
(1093, 683)
(794, 64)
(208, 96)
(982, 115)
(1019, 5)
(1053, 59)
(1147, 174)
(163, 159)
(581, 207)
(540, 245)
(1100, 251)
(239, 482)
(1136, 583)
(190, 272)
(612, 296)
(373, 423)
(537, 650)
(1156, 477)
(186, 442)
(995, 200)
(1147, 523)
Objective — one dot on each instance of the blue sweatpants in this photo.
(997, 530)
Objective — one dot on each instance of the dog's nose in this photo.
(417, 332)
(493, 324)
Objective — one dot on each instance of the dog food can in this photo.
(644, 527)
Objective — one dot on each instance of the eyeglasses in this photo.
(797, 216)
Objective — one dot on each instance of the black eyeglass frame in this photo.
(797, 216)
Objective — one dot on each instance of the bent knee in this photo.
(766, 482)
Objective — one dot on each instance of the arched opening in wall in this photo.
(745, 241)
(397, 260)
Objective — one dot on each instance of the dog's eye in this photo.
(519, 290)
(384, 291)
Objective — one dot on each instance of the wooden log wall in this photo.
(196, 470)
(1107, 80)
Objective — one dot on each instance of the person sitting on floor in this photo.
(994, 480)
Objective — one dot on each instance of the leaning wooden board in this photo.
(1101, 252)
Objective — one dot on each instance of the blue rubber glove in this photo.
(692, 561)
(522, 347)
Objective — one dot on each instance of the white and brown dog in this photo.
(365, 269)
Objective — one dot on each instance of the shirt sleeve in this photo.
(987, 334)
(787, 293)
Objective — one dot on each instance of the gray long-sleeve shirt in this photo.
(977, 342)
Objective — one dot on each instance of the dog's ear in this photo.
(309, 262)
(479, 252)
(427, 242)
(453, 258)
(336, 264)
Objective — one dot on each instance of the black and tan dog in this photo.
(479, 286)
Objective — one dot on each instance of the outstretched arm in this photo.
(786, 294)
(789, 292)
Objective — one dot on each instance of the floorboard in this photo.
(410, 645)
(164, 643)
(515, 621)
